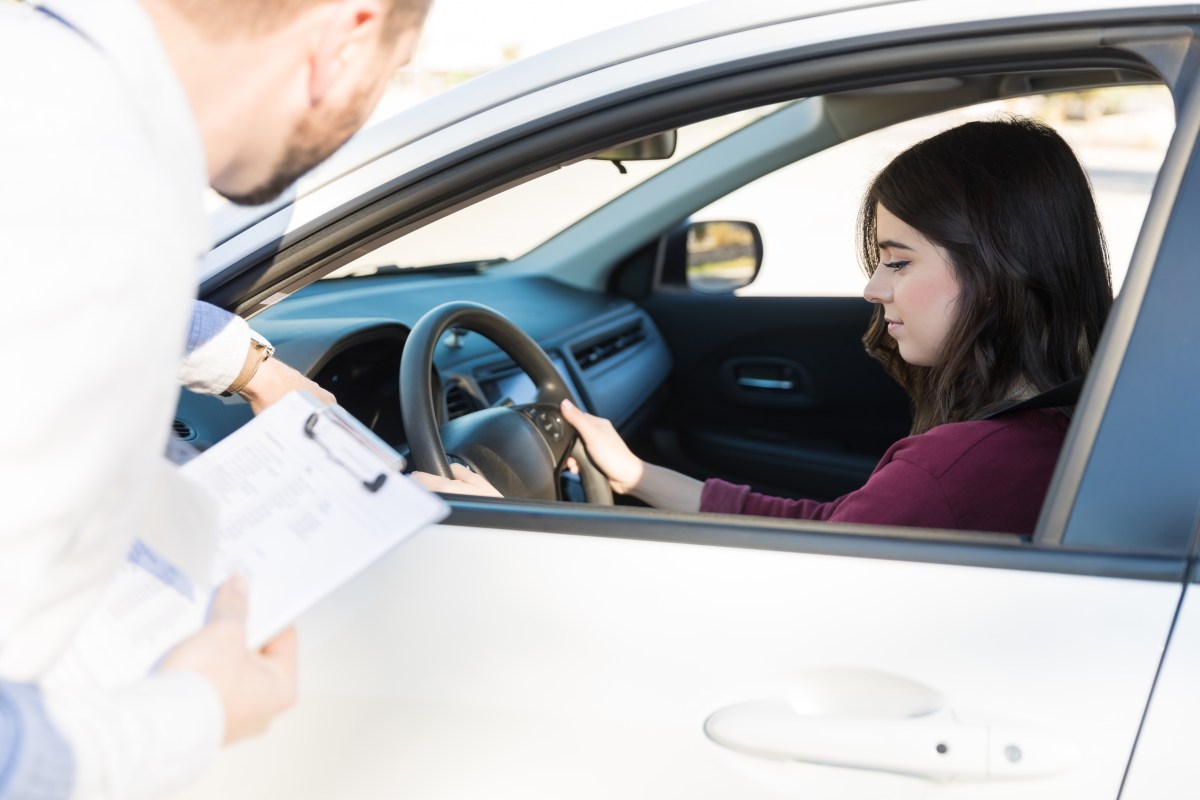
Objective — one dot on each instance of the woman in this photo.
(990, 279)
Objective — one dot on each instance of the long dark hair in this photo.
(1011, 206)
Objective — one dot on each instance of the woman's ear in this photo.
(346, 42)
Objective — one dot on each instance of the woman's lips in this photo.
(893, 326)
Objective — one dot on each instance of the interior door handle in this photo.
(767, 380)
(908, 732)
(764, 383)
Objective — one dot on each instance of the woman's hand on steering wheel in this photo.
(607, 449)
(465, 482)
(520, 448)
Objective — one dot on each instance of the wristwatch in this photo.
(259, 351)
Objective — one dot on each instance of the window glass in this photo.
(806, 212)
(511, 223)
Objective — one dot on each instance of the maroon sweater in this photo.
(987, 475)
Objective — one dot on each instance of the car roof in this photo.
(658, 35)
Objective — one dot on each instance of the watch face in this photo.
(260, 342)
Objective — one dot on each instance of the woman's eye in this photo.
(895, 264)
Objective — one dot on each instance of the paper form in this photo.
(305, 499)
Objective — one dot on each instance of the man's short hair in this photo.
(223, 19)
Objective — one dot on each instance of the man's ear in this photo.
(347, 37)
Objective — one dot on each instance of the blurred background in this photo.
(465, 38)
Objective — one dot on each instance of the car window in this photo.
(806, 212)
(510, 224)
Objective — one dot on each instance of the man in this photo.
(117, 114)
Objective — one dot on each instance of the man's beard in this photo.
(314, 139)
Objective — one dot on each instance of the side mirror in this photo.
(722, 256)
(652, 148)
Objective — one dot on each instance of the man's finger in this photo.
(231, 601)
(284, 646)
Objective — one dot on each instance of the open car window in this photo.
(820, 442)
(1119, 133)
(505, 227)
(807, 209)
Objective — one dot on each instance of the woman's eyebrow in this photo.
(888, 244)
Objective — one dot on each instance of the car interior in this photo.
(603, 263)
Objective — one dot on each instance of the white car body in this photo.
(582, 659)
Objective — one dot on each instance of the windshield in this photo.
(508, 225)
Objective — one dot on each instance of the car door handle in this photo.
(764, 383)
(908, 732)
(767, 380)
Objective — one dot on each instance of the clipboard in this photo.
(342, 424)
(306, 497)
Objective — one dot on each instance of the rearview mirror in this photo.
(652, 148)
(722, 256)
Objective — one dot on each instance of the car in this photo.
(556, 644)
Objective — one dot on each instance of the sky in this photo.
(474, 35)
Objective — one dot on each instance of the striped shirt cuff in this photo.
(35, 761)
(217, 343)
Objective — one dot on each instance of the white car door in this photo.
(478, 662)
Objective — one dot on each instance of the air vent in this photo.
(459, 401)
(183, 430)
(609, 346)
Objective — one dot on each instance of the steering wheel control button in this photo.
(550, 423)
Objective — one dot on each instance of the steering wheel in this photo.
(520, 449)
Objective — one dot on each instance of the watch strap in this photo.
(259, 351)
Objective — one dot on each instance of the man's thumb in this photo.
(231, 601)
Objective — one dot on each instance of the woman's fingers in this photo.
(574, 415)
(464, 482)
(475, 480)
(430, 482)
(605, 447)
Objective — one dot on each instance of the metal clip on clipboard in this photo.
(353, 446)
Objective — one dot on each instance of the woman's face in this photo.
(915, 285)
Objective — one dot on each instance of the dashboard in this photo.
(349, 335)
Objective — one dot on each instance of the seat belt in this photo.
(1063, 395)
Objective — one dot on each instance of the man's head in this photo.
(222, 19)
(278, 85)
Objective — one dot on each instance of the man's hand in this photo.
(254, 687)
(273, 380)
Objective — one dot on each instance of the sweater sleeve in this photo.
(897, 493)
(727, 498)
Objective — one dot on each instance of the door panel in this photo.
(774, 392)
(503, 664)
(1164, 764)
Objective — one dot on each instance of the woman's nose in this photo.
(879, 288)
